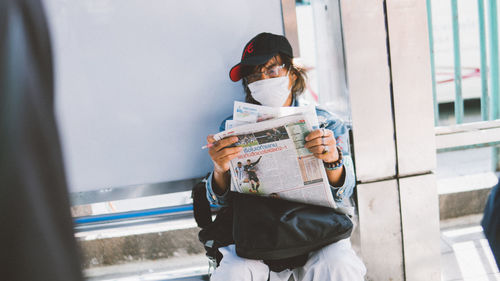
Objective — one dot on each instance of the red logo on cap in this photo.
(248, 49)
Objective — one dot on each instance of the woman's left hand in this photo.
(322, 143)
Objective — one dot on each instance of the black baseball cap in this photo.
(259, 50)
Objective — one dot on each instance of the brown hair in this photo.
(298, 86)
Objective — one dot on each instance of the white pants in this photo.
(334, 262)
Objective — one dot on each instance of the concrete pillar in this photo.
(389, 80)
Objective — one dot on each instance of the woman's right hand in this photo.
(221, 154)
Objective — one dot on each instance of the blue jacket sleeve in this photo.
(213, 198)
(329, 121)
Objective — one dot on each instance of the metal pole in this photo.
(493, 34)
(459, 104)
(484, 66)
(493, 30)
(433, 70)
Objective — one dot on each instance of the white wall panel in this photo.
(141, 83)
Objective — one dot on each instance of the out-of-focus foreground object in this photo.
(36, 239)
(491, 222)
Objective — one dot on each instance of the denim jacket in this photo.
(329, 121)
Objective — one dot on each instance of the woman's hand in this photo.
(221, 156)
(322, 143)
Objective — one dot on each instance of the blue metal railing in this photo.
(493, 32)
(433, 67)
(459, 103)
(489, 66)
(484, 66)
(141, 214)
(489, 69)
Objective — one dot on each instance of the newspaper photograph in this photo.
(274, 161)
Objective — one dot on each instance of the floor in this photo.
(465, 253)
(465, 256)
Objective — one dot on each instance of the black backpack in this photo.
(219, 232)
(213, 234)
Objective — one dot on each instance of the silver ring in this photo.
(326, 149)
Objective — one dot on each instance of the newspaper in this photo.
(274, 161)
(245, 113)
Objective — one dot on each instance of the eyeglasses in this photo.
(271, 72)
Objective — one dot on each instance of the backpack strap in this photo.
(201, 206)
(214, 233)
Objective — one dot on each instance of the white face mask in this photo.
(271, 92)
